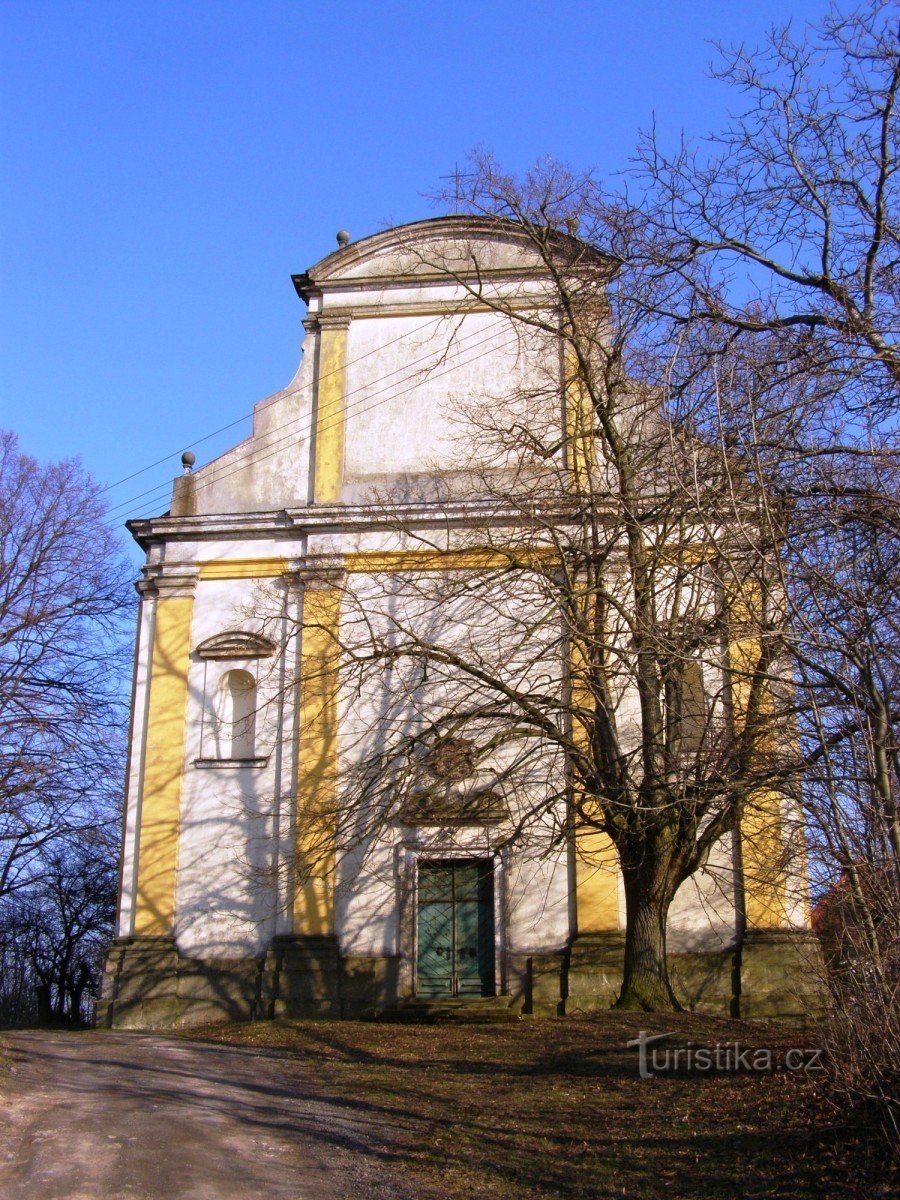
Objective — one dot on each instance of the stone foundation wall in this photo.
(780, 973)
(534, 984)
(593, 975)
(772, 973)
(148, 984)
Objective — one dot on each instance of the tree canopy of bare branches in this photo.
(63, 589)
(728, 325)
(786, 231)
(613, 662)
(757, 300)
(787, 220)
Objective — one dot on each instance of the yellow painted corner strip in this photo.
(763, 854)
(762, 825)
(367, 562)
(377, 561)
(243, 568)
(582, 444)
(161, 796)
(317, 767)
(329, 452)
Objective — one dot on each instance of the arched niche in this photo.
(236, 712)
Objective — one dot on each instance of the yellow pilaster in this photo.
(763, 844)
(581, 440)
(596, 881)
(763, 854)
(596, 860)
(163, 766)
(317, 761)
(330, 415)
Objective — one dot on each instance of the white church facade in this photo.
(246, 891)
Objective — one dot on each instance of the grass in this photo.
(557, 1109)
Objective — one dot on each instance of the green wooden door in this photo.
(456, 928)
(435, 937)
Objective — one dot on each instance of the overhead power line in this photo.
(231, 424)
(351, 410)
(406, 371)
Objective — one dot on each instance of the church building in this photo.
(263, 873)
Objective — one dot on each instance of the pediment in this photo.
(454, 806)
(456, 792)
(236, 644)
(456, 246)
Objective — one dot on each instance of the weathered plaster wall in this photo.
(395, 360)
(410, 381)
(234, 825)
(378, 879)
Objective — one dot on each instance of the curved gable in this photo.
(460, 246)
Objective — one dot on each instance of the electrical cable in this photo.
(246, 416)
(369, 389)
(160, 490)
(342, 417)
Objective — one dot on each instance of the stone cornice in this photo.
(319, 573)
(289, 524)
(236, 643)
(304, 285)
(174, 581)
(317, 322)
(340, 269)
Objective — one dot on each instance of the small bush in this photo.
(859, 925)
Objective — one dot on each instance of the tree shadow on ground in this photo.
(558, 1109)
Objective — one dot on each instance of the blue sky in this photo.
(165, 167)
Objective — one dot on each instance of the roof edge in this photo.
(459, 225)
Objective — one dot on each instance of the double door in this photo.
(455, 924)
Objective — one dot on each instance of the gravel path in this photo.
(94, 1115)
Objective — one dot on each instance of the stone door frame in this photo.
(460, 844)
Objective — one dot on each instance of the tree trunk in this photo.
(59, 1007)
(44, 1008)
(648, 895)
(76, 994)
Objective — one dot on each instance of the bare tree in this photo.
(786, 232)
(788, 220)
(55, 931)
(699, 551)
(63, 589)
(604, 657)
(729, 340)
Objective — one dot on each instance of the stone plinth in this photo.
(781, 974)
(595, 971)
(301, 977)
(147, 984)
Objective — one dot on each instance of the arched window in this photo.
(236, 715)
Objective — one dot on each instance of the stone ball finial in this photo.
(343, 238)
(187, 461)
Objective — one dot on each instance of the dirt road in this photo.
(91, 1116)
